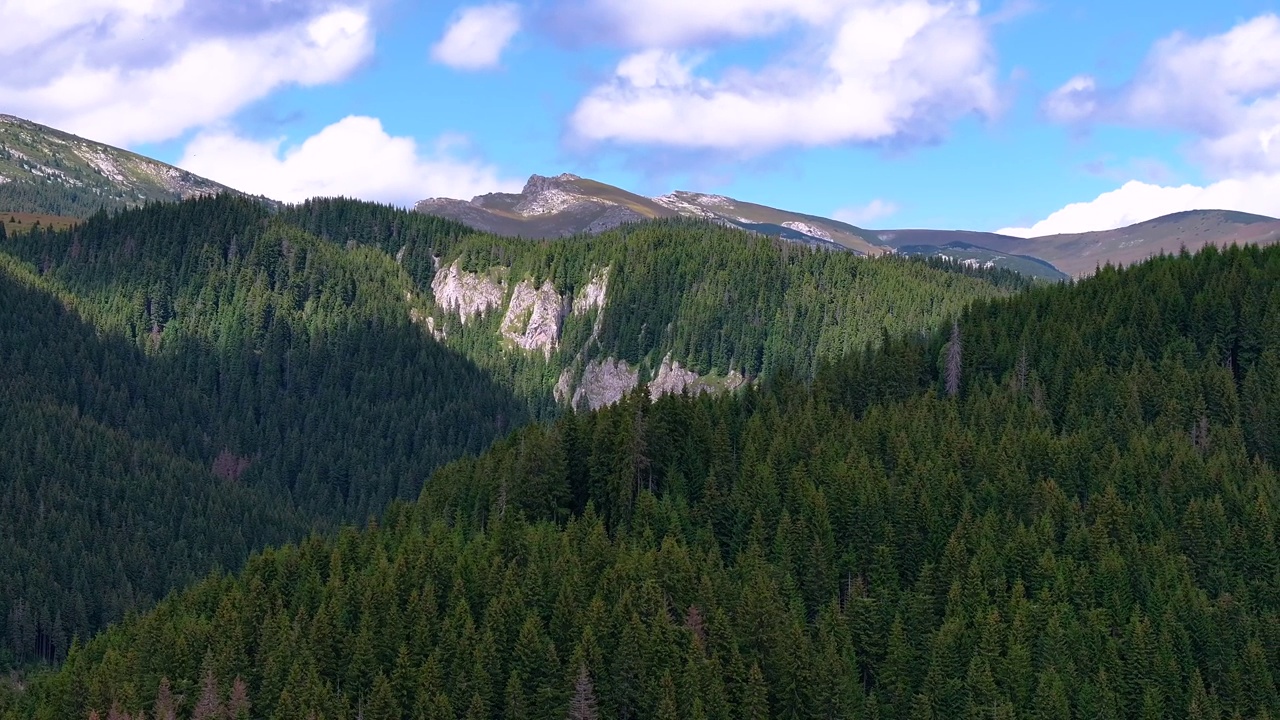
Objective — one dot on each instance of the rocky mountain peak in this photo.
(541, 183)
(548, 195)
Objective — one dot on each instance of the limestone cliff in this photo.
(604, 382)
(465, 293)
(533, 317)
(593, 295)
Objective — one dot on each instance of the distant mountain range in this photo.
(50, 172)
(568, 205)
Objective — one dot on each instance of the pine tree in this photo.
(382, 701)
(668, 706)
(238, 701)
(755, 697)
(516, 705)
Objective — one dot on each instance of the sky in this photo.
(1028, 117)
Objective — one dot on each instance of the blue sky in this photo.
(1032, 116)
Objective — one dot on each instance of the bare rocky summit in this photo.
(549, 207)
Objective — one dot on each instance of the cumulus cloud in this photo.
(354, 157)
(875, 71)
(875, 210)
(1223, 89)
(1137, 201)
(477, 36)
(131, 71)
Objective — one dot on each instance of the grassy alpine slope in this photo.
(1063, 506)
(47, 171)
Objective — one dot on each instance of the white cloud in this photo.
(46, 21)
(1074, 102)
(1223, 89)
(1136, 202)
(880, 71)
(679, 23)
(477, 36)
(875, 210)
(354, 157)
(131, 71)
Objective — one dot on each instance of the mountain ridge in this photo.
(567, 204)
(50, 172)
(46, 170)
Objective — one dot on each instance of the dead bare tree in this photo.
(954, 357)
(583, 706)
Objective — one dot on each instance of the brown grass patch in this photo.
(16, 222)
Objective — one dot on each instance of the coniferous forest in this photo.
(1058, 503)
(186, 384)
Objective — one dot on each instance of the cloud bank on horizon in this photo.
(852, 105)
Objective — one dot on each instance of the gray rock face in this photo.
(563, 391)
(593, 295)
(672, 379)
(604, 383)
(467, 294)
(611, 217)
(533, 317)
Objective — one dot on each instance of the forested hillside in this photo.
(191, 382)
(598, 314)
(185, 385)
(1063, 505)
(99, 514)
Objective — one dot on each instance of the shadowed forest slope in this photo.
(154, 434)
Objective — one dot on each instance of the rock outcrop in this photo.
(672, 379)
(604, 382)
(533, 317)
(593, 295)
(417, 317)
(465, 293)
